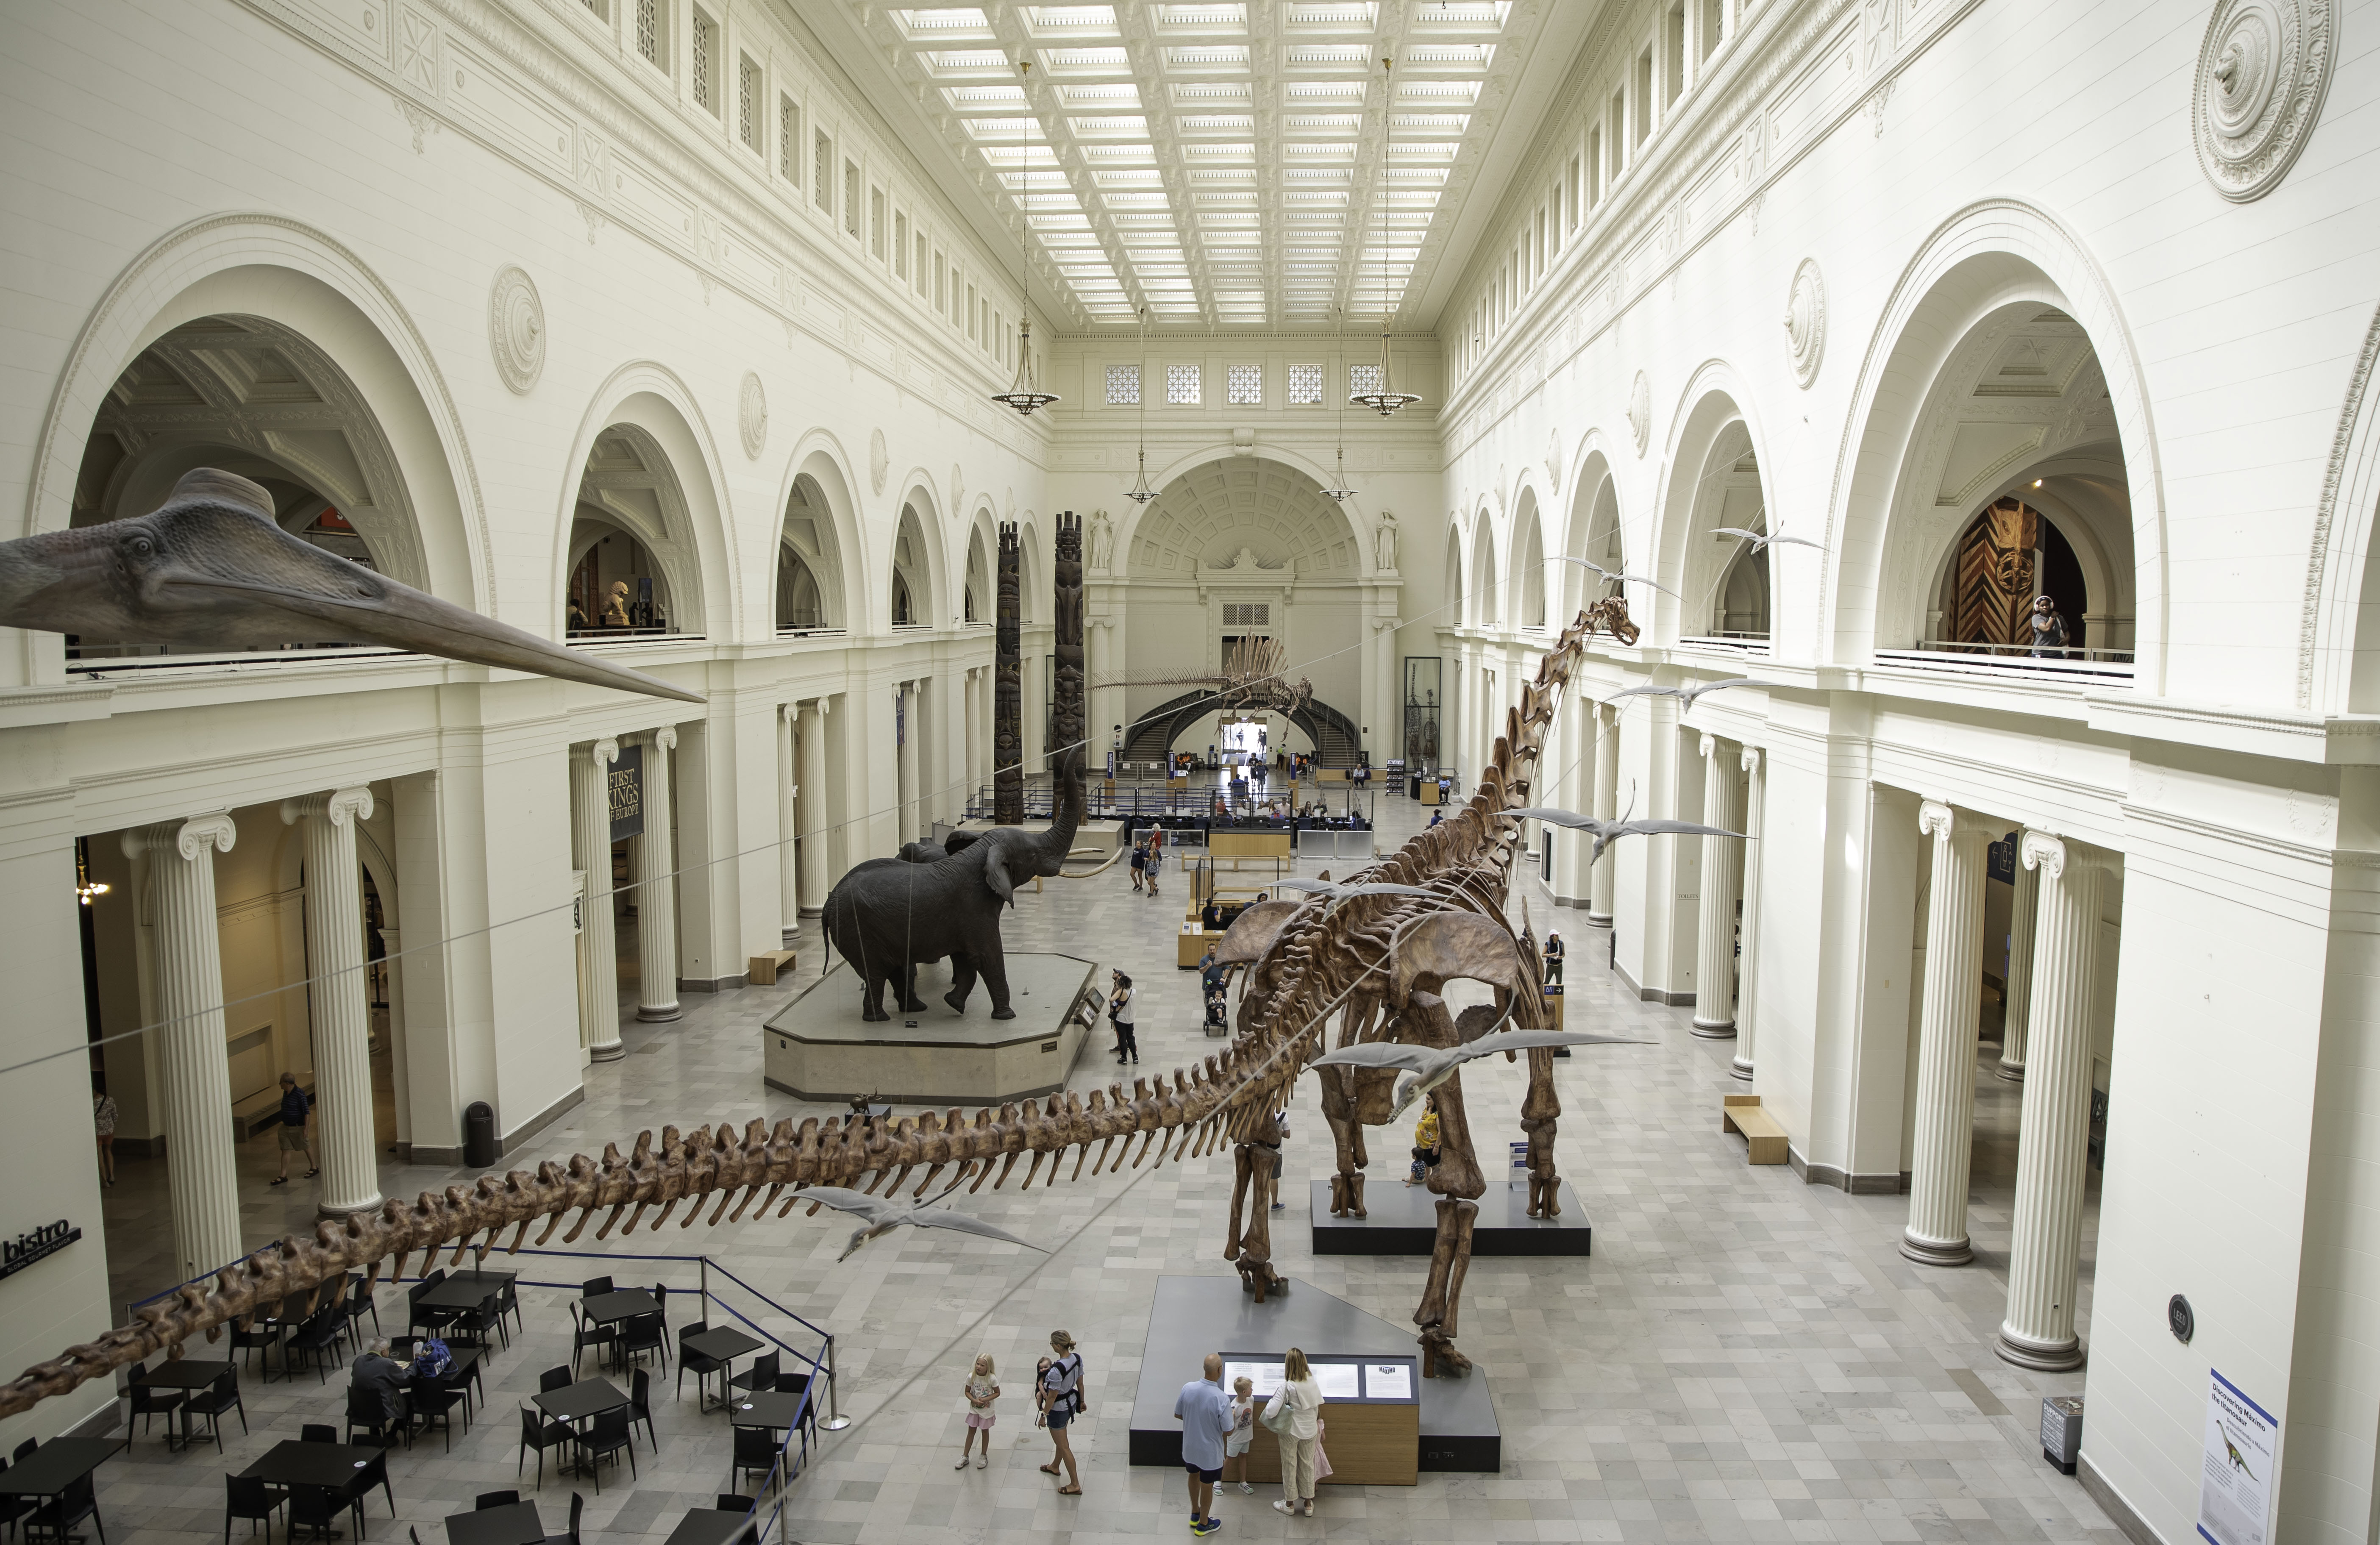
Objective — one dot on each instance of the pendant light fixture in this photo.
(1020, 394)
(1384, 399)
(1338, 491)
(1140, 492)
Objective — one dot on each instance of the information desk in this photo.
(1258, 843)
(1371, 1416)
(1192, 944)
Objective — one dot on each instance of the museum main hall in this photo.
(1407, 771)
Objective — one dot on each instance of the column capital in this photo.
(2050, 854)
(604, 751)
(188, 838)
(1935, 819)
(1752, 759)
(1710, 745)
(340, 807)
(666, 737)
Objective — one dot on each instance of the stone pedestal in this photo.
(334, 958)
(1936, 1235)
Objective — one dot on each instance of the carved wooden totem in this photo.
(1007, 688)
(1067, 710)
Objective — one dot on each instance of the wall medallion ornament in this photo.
(1554, 464)
(517, 329)
(1805, 321)
(879, 460)
(2262, 75)
(1640, 412)
(752, 415)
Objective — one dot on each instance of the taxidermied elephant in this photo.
(887, 917)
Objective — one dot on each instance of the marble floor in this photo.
(1743, 1356)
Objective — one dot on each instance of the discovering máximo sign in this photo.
(627, 794)
(26, 1248)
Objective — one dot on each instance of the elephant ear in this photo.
(995, 871)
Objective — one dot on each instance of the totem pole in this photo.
(1007, 690)
(1068, 711)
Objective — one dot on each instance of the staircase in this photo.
(1337, 740)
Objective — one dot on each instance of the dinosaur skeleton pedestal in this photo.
(1402, 1219)
(817, 1047)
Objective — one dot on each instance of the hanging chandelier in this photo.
(1383, 399)
(1140, 492)
(1021, 394)
(1338, 491)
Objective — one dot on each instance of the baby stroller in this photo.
(1218, 1011)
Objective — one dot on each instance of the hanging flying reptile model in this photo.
(1371, 967)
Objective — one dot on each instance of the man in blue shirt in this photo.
(1204, 1412)
(295, 1137)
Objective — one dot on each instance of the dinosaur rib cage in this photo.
(1319, 958)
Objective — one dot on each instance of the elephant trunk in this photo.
(1051, 847)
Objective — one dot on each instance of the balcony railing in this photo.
(1727, 643)
(2007, 661)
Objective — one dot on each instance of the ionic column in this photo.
(2054, 1125)
(1607, 808)
(334, 958)
(905, 778)
(202, 1186)
(1722, 873)
(1936, 1235)
(2017, 1000)
(969, 784)
(1747, 997)
(811, 805)
(652, 856)
(789, 868)
(590, 841)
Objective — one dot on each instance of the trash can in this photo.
(479, 1135)
(2062, 1431)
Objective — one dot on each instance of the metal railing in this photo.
(2013, 660)
(82, 660)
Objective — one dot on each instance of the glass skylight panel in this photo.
(1211, 123)
(966, 58)
(1085, 58)
(942, 18)
(1332, 15)
(1071, 16)
(1109, 126)
(1202, 16)
(1207, 57)
(1101, 98)
(1312, 91)
(1434, 92)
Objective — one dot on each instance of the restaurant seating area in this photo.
(560, 1383)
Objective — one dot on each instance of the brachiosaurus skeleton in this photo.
(1379, 963)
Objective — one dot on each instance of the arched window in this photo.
(809, 583)
(632, 571)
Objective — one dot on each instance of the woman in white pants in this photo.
(1301, 1398)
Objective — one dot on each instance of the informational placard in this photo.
(1518, 1173)
(627, 794)
(2235, 1484)
(1342, 1377)
(1265, 1376)
(1387, 1380)
(1340, 1380)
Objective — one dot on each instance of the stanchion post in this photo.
(835, 1420)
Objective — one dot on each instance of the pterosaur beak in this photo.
(210, 569)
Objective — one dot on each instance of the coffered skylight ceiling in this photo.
(1242, 164)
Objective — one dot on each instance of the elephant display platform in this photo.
(817, 1047)
(1102, 836)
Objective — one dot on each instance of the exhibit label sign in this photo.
(2235, 1485)
(627, 794)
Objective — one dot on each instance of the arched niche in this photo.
(980, 575)
(1593, 533)
(2001, 356)
(910, 597)
(1211, 509)
(818, 551)
(1722, 580)
(1533, 600)
(1456, 612)
(1488, 589)
(633, 569)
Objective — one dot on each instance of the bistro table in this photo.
(57, 1464)
(514, 1524)
(707, 1525)
(337, 1467)
(466, 1290)
(767, 1408)
(184, 1373)
(578, 1403)
(723, 1345)
(609, 1309)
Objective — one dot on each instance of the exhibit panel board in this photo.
(1371, 1416)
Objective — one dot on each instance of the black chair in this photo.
(643, 1335)
(25, 1450)
(540, 1434)
(578, 1506)
(473, 1326)
(730, 1502)
(607, 1434)
(12, 1508)
(317, 1432)
(62, 1512)
(374, 1473)
(494, 1499)
(433, 1404)
(660, 1301)
(584, 1335)
(315, 1509)
(365, 1414)
(359, 1303)
(465, 1380)
(756, 1452)
(554, 1379)
(217, 1400)
(508, 1302)
(318, 1339)
(688, 1359)
(250, 1499)
(795, 1383)
(760, 1378)
(146, 1404)
(431, 1317)
(261, 1335)
(594, 1285)
(640, 1406)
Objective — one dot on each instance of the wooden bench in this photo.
(1741, 1112)
(765, 967)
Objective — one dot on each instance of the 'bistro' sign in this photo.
(26, 1248)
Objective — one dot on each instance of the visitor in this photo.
(1555, 950)
(1060, 1393)
(384, 1378)
(1139, 861)
(1437, 816)
(981, 1389)
(1281, 1135)
(1244, 1432)
(295, 1137)
(104, 1117)
(1211, 918)
(1425, 1143)
(1155, 857)
(1205, 1412)
(1120, 1016)
(1297, 1407)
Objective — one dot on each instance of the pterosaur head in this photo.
(210, 569)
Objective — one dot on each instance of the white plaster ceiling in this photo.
(1220, 163)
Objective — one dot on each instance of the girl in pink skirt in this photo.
(981, 1391)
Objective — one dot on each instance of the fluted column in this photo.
(1747, 1003)
(789, 866)
(652, 856)
(905, 763)
(202, 1186)
(968, 784)
(334, 958)
(590, 840)
(1722, 873)
(2017, 1000)
(1575, 791)
(811, 805)
(2054, 1125)
(1936, 1235)
(1607, 808)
